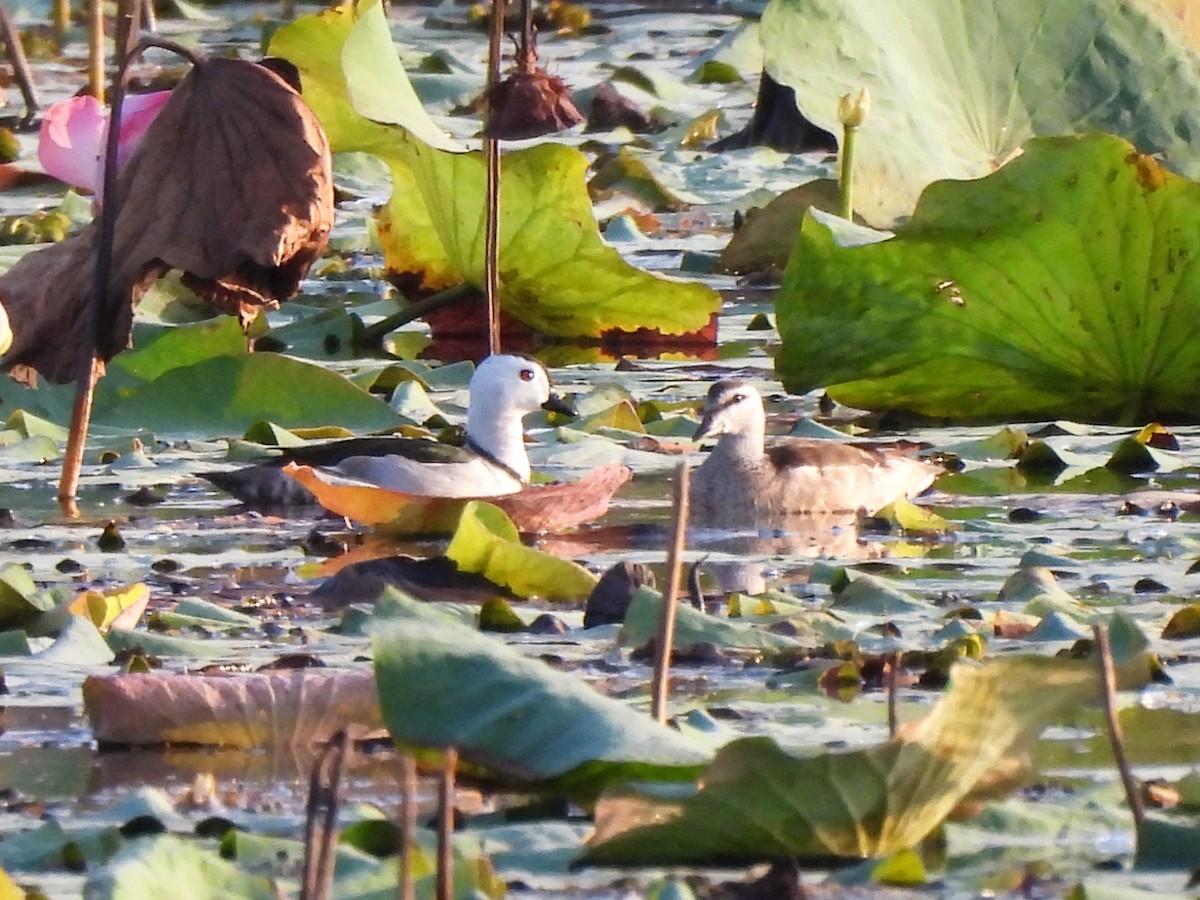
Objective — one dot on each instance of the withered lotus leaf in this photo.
(276, 709)
(231, 184)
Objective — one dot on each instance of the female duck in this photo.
(743, 481)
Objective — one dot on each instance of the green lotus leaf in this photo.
(165, 865)
(486, 542)
(241, 390)
(557, 275)
(444, 684)
(1065, 285)
(757, 802)
(693, 627)
(957, 86)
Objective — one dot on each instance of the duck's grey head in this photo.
(731, 407)
(508, 383)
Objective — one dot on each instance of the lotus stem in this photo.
(374, 332)
(408, 824)
(1108, 683)
(22, 74)
(128, 24)
(892, 675)
(96, 50)
(325, 793)
(665, 639)
(60, 14)
(852, 112)
(445, 831)
(491, 152)
(81, 413)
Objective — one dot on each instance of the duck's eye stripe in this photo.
(527, 374)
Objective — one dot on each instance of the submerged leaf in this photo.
(1063, 286)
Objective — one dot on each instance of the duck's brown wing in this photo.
(793, 453)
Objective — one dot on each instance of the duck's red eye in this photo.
(527, 374)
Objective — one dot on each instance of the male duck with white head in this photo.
(744, 480)
(503, 390)
(492, 461)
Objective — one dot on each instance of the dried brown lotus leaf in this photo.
(231, 184)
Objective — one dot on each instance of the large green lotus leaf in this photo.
(225, 395)
(487, 542)
(958, 85)
(1065, 285)
(557, 274)
(758, 802)
(444, 684)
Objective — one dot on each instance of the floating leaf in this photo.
(168, 866)
(757, 802)
(443, 684)
(1063, 285)
(693, 627)
(487, 542)
(1184, 623)
(276, 709)
(242, 390)
(119, 607)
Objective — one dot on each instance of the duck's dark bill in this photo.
(559, 405)
(706, 425)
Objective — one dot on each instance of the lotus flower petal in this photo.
(73, 134)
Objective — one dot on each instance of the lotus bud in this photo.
(852, 111)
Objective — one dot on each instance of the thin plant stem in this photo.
(22, 74)
(98, 308)
(846, 173)
(445, 827)
(375, 332)
(60, 15)
(96, 50)
(893, 718)
(408, 825)
(491, 153)
(325, 793)
(81, 415)
(1108, 682)
(665, 639)
(128, 25)
(491, 261)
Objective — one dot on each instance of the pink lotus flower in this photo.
(73, 133)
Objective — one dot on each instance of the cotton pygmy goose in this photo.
(503, 390)
(744, 480)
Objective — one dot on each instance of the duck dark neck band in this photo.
(494, 460)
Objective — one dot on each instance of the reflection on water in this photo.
(775, 540)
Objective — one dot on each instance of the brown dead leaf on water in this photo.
(276, 709)
(231, 184)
